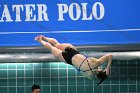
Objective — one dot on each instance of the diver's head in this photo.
(101, 74)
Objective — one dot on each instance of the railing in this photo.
(41, 54)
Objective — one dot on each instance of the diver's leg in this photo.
(55, 51)
(58, 45)
(50, 40)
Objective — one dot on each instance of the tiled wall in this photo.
(63, 78)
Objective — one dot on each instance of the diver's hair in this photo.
(101, 75)
(35, 87)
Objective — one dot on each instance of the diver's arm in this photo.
(108, 66)
(106, 58)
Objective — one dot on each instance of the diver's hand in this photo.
(107, 71)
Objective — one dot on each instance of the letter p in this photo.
(62, 8)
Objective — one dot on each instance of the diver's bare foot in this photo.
(38, 38)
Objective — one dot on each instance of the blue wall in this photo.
(119, 24)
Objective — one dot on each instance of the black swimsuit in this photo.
(68, 53)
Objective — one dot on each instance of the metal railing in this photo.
(41, 54)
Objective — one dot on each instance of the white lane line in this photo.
(83, 31)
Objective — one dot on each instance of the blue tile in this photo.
(45, 73)
(123, 79)
(98, 89)
(28, 90)
(3, 66)
(20, 73)
(29, 73)
(12, 82)
(132, 63)
(3, 74)
(63, 81)
(138, 71)
(54, 65)
(81, 89)
(37, 72)
(29, 81)
(106, 89)
(78, 73)
(63, 72)
(114, 72)
(54, 81)
(20, 82)
(12, 65)
(115, 62)
(37, 81)
(63, 89)
(54, 89)
(71, 81)
(72, 89)
(131, 79)
(123, 62)
(88, 81)
(138, 79)
(62, 65)
(3, 82)
(80, 81)
(11, 73)
(3, 90)
(46, 89)
(20, 65)
(71, 72)
(138, 89)
(70, 66)
(132, 88)
(20, 90)
(12, 90)
(124, 88)
(29, 66)
(46, 81)
(115, 88)
(37, 65)
(45, 65)
(54, 73)
(89, 89)
(132, 71)
(123, 71)
(115, 80)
